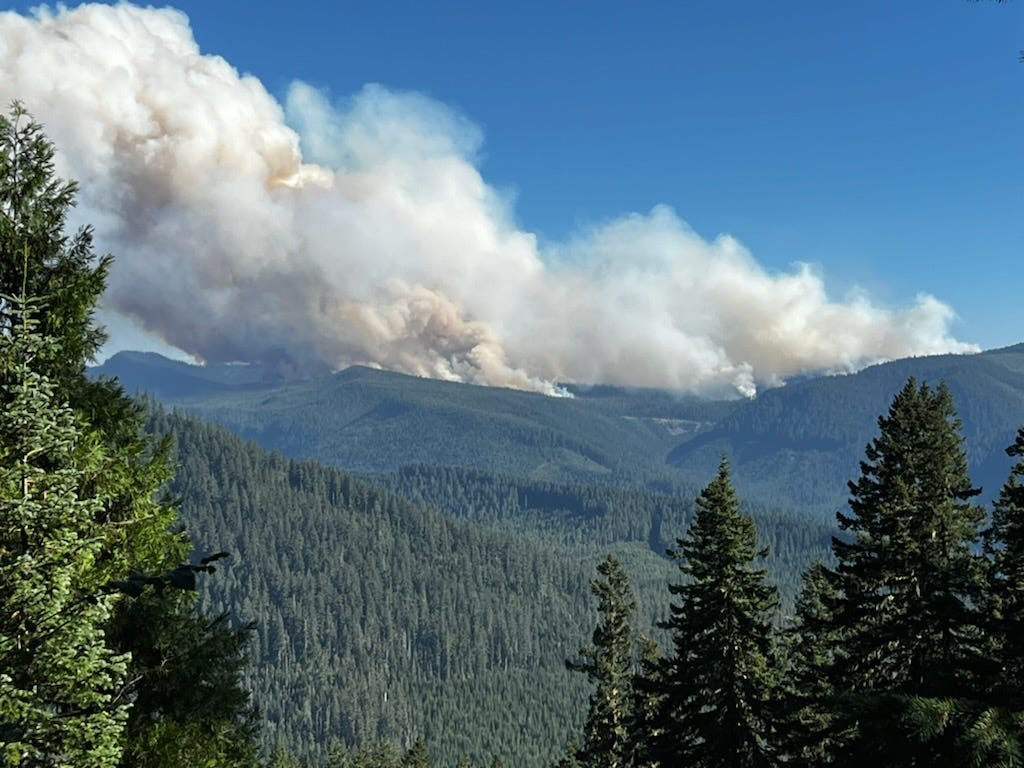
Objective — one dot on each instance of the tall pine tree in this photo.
(719, 684)
(607, 741)
(179, 656)
(906, 587)
(806, 694)
(62, 688)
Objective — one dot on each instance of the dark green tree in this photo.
(647, 700)
(906, 587)
(61, 687)
(719, 683)
(417, 756)
(132, 524)
(608, 663)
(1005, 545)
(190, 707)
(806, 694)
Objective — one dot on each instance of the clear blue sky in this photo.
(878, 140)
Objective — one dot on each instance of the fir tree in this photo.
(719, 683)
(1005, 545)
(131, 525)
(907, 580)
(806, 693)
(609, 664)
(61, 687)
(647, 700)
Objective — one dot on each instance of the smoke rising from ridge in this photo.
(385, 246)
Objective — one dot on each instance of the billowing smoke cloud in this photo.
(384, 246)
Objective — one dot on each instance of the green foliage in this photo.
(190, 708)
(909, 577)
(899, 611)
(60, 272)
(82, 520)
(61, 687)
(1005, 546)
(719, 682)
(805, 700)
(608, 664)
(378, 619)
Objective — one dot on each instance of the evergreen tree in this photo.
(190, 707)
(647, 700)
(719, 683)
(806, 693)
(609, 664)
(62, 273)
(1005, 545)
(907, 580)
(131, 524)
(61, 687)
(417, 756)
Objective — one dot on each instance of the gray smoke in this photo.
(390, 249)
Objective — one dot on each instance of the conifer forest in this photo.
(370, 570)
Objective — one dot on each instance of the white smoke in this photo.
(385, 246)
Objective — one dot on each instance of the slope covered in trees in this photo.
(798, 445)
(792, 448)
(378, 619)
(382, 619)
(368, 420)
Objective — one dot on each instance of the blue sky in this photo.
(878, 142)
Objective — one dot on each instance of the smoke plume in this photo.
(384, 245)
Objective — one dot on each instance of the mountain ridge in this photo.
(792, 446)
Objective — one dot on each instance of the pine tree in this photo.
(1005, 545)
(609, 664)
(62, 273)
(647, 700)
(131, 530)
(61, 687)
(989, 726)
(906, 586)
(417, 756)
(806, 692)
(718, 685)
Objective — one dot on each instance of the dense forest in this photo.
(792, 448)
(174, 595)
(457, 628)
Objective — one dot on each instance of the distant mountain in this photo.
(164, 378)
(791, 447)
(376, 421)
(799, 443)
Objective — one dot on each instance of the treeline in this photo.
(795, 446)
(907, 651)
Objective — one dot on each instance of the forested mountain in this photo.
(382, 619)
(797, 445)
(371, 420)
(591, 520)
(792, 447)
(378, 619)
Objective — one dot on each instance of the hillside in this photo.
(370, 420)
(382, 619)
(798, 444)
(792, 447)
